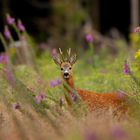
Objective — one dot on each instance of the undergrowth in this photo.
(34, 104)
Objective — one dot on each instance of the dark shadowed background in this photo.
(46, 18)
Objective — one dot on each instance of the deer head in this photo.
(65, 63)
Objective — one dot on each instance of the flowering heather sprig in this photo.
(10, 20)
(58, 81)
(4, 58)
(10, 76)
(42, 95)
(7, 33)
(54, 83)
(20, 26)
(53, 52)
(126, 68)
(89, 38)
(74, 97)
(16, 106)
(90, 136)
(118, 133)
(39, 98)
(121, 94)
(137, 30)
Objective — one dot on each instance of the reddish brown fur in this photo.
(92, 99)
(99, 100)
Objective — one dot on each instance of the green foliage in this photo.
(68, 17)
(106, 75)
(32, 95)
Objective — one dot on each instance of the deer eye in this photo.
(70, 68)
(61, 68)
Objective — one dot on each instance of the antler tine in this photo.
(61, 54)
(69, 53)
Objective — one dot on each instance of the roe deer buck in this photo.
(92, 99)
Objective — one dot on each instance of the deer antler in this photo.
(61, 55)
(69, 53)
(71, 58)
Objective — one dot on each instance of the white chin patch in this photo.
(66, 77)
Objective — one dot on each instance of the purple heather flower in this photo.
(118, 133)
(10, 76)
(54, 83)
(40, 97)
(58, 81)
(126, 68)
(89, 38)
(121, 94)
(7, 33)
(20, 26)
(10, 20)
(16, 106)
(137, 30)
(74, 97)
(4, 58)
(90, 136)
(54, 52)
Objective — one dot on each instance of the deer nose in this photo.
(66, 74)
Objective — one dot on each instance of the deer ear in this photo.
(57, 60)
(72, 59)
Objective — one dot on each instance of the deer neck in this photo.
(70, 83)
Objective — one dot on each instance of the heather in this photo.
(34, 104)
